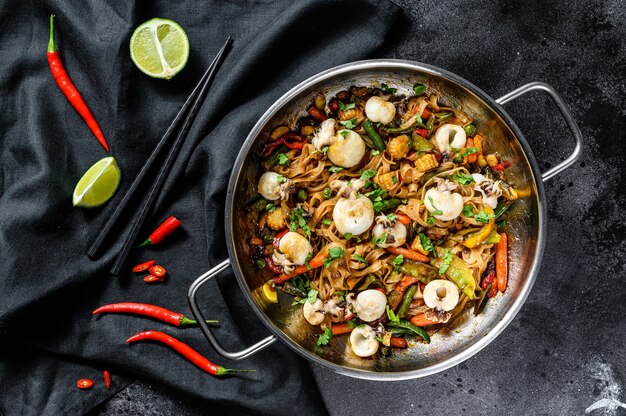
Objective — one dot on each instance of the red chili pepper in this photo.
(499, 167)
(84, 383)
(426, 114)
(333, 105)
(506, 164)
(69, 90)
(493, 291)
(184, 350)
(293, 141)
(107, 379)
(142, 267)
(272, 266)
(158, 271)
(487, 280)
(317, 114)
(269, 148)
(280, 235)
(151, 311)
(153, 279)
(166, 228)
(421, 132)
(437, 156)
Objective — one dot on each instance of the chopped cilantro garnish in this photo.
(344, 133)
(350, 236)
(325, 337)
(353, 323)
(349, 124)
(394, 179)
(368, 174)
(359, 258)
(375, 152)
(297, 219)
(345, 107)
(470, 150)
(306, 261)
(324, 149)
(335, 169)
(447, 259)
(333, 253)
(467, 211)
(327, 221)
(380, 239)
(398, 260)
(426, 243)
(391, 217)
(436, 211)
(311, 297)
(463, 178)
(387, 89)
(281, 179)
(282, 159)
(482, 216)
(419, 88)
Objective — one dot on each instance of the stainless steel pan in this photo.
(527, 219)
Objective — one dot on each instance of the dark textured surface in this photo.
(565, 349)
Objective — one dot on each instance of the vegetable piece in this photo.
(406, 301)
(387, 204)
(153, 279)
(151, 311)
(377, 141)
(458, 272)
(409, 254)
(410, 328)
(501, 263)
(480, 236)
(107, 379)
(317, 114)
(470, 130)
(270, 293)
(420, 143)
(166, 228)
(69, 90)
(488, 280)
(185, 350)
(338, 329)
(293, 141)
(398, 147)
(396, 342)
(158, 271)
(292, 290)
(369, 281)
(396, 295)
(481, 300)
(278, 132)
(84, 383)
(472, 157)
(314, 263)
(426, 162)
(418, 270)
(275, 158)
(142, 267)
(422, 320)
(404, 219)
(301, 195)
(500, 209)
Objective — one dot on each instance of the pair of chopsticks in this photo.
(188, 111)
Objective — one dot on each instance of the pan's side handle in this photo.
(540, 86)
(195, 309)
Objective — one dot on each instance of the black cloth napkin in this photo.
(48, 285)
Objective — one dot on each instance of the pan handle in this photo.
(540, 86)
(195, 309)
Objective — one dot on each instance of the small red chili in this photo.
(493, 291)
(166, 228)
(84, 383)
(499, 167)
(280, 235)
(107, 379)
(426, 113)
(333, 105)
(158, 271)
(272, 266)
(151, 311)
(487, 280)
(421, 132)
(153, 279)
(142, 267)
(317, 114)
(293, 141)
(185, 350)
(270, 147)
(506, 164)
(438, 156)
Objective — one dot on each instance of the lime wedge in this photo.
(98, 184)
(159, 48)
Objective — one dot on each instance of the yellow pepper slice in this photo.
(481, 235)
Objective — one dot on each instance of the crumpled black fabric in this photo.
(48, 285)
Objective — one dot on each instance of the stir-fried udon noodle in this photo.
(380, 215)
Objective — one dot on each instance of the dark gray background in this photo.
(565, 349)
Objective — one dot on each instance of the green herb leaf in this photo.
(419, 88)
(436, 211)
(375, 152)
(344, 133)
(482, 216)
(426, 243)
(470, 150)
(325, 337)
(312, 296)
(380, 239)
(349, 124)
(359, 258)
(324, 149)
(353, 323)
(333, 253)
(335, 169)
(296, 219)
(391, 217)
(392, 316)
(282, 159)
(394, 179)
(368, 174)
(345, 107)
(431, 220)
(306, 261)
(398, 260)
(281, 179)
(463, 178)
(327, 221)
(379, 339)
(387, 89)
(447, 259)
(467, 211)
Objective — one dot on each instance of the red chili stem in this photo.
(69, 90)
(185, 350)
(166, 228)
(107, 379)
(151, 311)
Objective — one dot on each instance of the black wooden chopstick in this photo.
(145, 207)
(114, 218)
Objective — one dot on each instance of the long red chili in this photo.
(107, 379)
(152, 311)
(69, 90)
(166, 228)
(293, 141)
(185, 350)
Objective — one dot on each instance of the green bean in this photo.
(412, 329)
(398, 130)
(260, 204)
(377, 141)
(406, 301)
(430, 123)
(369, 281)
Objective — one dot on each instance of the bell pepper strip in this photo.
(404, 219)
(151, 311)
(69, 90)
(314, 263)
(153, 279)
(370, 280)
(158, 271)
(458, 272)
(396, 295)
(420, 144)
(475, 239)
(107, 379)
(421, 132)
(142, 267)
(488, 280)
(501, 263)
(166, 228)
(338, 329)
(272, 266)
(396, 342)
(419, 270)
(317, 114)
(472, 157)
(406, 301)
(269, 147)
(421, 320)
(276, 241)
(492, 291)
(409, 327)
(84, 383)
(293, 141)
(409, 254)
(185, 350)
(377, 141)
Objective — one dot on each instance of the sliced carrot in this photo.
(473, 157)
(409, 254)
(314, 263)
(398, 342)
(501, 263)
(426, 114)
(339, 329)
(404, 219)
(422, 320)
(395, 297)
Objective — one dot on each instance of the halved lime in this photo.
(159, 48)
(98, 184)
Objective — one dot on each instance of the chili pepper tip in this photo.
(146, 243)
